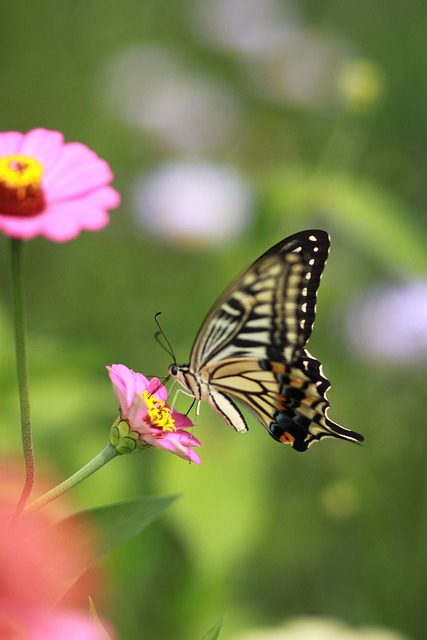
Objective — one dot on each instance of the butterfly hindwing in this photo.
(251, 347)
(289, 401)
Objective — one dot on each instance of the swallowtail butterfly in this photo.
(251, 347)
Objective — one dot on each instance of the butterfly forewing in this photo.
(251, 346)
(269, 310)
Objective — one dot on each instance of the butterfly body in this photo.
(251, 347)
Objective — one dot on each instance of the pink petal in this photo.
(119, 387)
(66, 625)
(78, 171)
(68, 218)
(64, 221)
(186, 439)
(181, 421)
(137, 415)
(141, 382)
(18, 227)
(65, 228)
(126, 385)
(178, 443)
(194, 457)
(10, 142)
(156, 388)
(44, 145)
(105, 197)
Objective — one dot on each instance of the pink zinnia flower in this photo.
(52, 188)
(49, 624)
(36, 562)
(144, 412)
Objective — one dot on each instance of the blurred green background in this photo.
(229, 125)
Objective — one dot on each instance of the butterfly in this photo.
(251, 347)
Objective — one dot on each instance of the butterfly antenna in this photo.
(162, 383)
(161, 338)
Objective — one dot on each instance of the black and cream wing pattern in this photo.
(252, 347)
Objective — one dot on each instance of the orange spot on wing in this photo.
(278, 367)
(297, 383)
(286, 438)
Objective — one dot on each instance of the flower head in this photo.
(145, 417)
(389, 324)
(169, 200)
(52, 188)
(37, 562)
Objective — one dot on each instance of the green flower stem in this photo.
(107, 454)
(20, 326)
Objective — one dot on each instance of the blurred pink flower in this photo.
(143, 407)
(48, 625)
(52, 188)
(36, 562)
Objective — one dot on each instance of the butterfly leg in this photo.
(188, 395)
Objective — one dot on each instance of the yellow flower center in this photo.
(158, 413)
(21, 193)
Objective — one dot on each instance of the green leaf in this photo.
(97, 624)
(111, 525)
(214, 633)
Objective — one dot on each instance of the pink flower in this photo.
(144, 411)
(36, 562)
(52, 188)
(49, 624)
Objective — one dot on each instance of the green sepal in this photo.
(124, 439)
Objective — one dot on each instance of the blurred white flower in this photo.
(285, 61)
(321, 629)
(303, 71)
(154, 90)
(245, 27)
(195, 203)
(390, 323)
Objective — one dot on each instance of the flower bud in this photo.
(361, 85)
